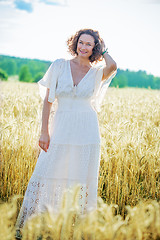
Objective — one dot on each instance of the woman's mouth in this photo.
(83, 52)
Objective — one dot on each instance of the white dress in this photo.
(73, 155)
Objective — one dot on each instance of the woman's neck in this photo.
(82, 61)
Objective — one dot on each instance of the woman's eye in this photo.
(88, 44)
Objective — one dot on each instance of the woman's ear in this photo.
(95, 46)
(98, 46)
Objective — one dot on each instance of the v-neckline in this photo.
(72, 75)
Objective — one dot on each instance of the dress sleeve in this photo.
(101, 87)
(49, 80)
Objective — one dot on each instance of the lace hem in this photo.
(42, 194)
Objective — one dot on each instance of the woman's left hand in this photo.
(103, 46)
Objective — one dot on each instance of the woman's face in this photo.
(85, 45)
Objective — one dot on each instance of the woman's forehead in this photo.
(86, 38)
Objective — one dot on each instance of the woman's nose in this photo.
(83, 46)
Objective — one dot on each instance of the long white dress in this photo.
(73, 155)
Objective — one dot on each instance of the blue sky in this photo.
(40, 28)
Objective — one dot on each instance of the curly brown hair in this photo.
(97, 50)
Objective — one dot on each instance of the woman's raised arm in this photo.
(111, 65)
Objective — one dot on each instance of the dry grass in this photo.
(129, 170)
(20, 124)
(130, 165)
(142, 222)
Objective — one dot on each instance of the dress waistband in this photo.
(74, 104)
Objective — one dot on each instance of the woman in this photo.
(71, 147)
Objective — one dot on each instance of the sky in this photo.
(39, 29)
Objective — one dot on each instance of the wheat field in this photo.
(129, 176)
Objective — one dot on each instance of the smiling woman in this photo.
(94, 43)
(70, 152)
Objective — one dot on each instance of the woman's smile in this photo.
(83, 52)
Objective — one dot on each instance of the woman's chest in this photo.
(77, 73)
(85, 83)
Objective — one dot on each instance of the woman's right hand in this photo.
(44, 141)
